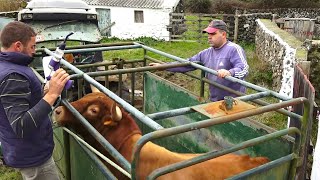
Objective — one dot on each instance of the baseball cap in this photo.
(214, 26)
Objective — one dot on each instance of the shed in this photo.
(135, 18)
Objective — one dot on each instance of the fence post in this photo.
(236, 24)
(170, 25)
(199, 26)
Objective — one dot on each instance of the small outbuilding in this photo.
(129, 19)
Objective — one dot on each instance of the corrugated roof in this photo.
(152, 4)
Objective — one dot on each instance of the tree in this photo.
(199, 6)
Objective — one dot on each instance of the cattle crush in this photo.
(180, 120)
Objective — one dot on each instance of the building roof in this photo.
(152, 4)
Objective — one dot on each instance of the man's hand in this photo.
(223, 73)
(154, 64)
(57, 83)
(46, 88)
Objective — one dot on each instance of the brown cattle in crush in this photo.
(123, 133)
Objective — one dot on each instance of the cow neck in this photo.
(125, 129)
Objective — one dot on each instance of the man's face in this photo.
(217, 39)
(30, 48)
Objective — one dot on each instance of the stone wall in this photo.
(288, 12)
(247, 26)
(282, 51)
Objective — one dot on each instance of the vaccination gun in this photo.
(54, 63)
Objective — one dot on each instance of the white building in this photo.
(135, 18)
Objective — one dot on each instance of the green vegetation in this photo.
(9, 174)
(9, 5)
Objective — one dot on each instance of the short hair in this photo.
(16, 31)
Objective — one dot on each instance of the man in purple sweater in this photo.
(226, 57)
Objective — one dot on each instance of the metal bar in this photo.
(170, 113)
(232, 79)
(133, 81)
(251, 97)
(206, 123)
(113, 152)
(89, 147)
(263, 167)
(120, 66)
(130, 70)
(213, 154)
(202, 84)
(100, 49)
(139, 115)
(106, 63)
(260, 102)
(89, 46)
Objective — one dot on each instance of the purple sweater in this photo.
(230, 57)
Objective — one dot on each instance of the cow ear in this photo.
(116, 112)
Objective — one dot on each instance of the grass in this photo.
(9, 173)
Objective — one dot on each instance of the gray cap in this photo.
(215, 25)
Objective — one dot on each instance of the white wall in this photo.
(155, 23)
(271, 48)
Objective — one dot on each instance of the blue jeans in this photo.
(46, 171)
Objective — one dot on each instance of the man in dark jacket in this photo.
(25, 128)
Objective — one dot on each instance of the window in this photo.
(138, 17)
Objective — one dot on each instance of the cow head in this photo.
(96, 107)
(112, 122)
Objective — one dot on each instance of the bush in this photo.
(314, 57)
(198, 6)
(229, 6)
(10, 5)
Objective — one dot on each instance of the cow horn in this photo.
(116, 112)
(94, 89)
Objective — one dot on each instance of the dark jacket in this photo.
(35, 144)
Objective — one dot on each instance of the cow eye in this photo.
(93, 110)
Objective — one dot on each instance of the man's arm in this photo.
(15, 98)
(239, 63)
(196, 59)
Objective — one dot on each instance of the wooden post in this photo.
(199, 26)
(170, 25)
(236, 24)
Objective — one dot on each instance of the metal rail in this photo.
(213, 154)
(232, 79)
(210, 122)
(160, 132)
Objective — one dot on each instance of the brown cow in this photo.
(120, 129)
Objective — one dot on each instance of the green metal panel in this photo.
(61, 152)
(161, 95)
(82, 167)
